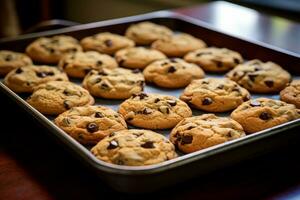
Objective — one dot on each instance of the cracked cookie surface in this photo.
(55, 97)
(262, 113)
(51, 49)
(144, 33)
(214, 59)
(90, 124)
(24, 79)
(260, 77)
(115, 83)
(154, 111)
(10, 60)
(172, 73)
(80, 63)
(200, 132)
(106, 42)
(134, 148)
(291, 94)
(178, 44)
(138, 57)
(215, 94)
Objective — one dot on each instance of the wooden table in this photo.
(34, 166)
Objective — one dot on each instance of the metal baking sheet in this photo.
(148, 178)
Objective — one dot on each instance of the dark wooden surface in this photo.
(34, 166)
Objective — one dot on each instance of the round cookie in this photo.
(144, 33)
(260, 77)
(172, 73)
(262, 113)
(215, 94)
(24, 79)
(137, 57)
(178, 45)
(291, 94)
(106, 42)
(115, 83)
(10, 60)
(200, 132)
(55, 97)
(80, 63)
(214, 59)
(154, 111)
(90, 124)
(51, 49)
(134, 148)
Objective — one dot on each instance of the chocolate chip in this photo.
(265, 116)
(172, 102)
(204, 82)
(221, 86)
(65, 65)
(129, 119)
(50, 73)
(173, 60)
(66, 92)
(41, 74)
(142, 95)
(146, 111)
(19, 71)
(141, 83)
(218, 63)
(257, 69)
(148, 145)
(171, 69)
(252, 77)
(190, 127)
(236, 89)
(66, 105)
(203, 53)
(186, 139)
(163, 64)
(236, 61)
(51, 50)
(102, 73)
(92, 127)
(229, 134)
(112, 145)
(99, 63)
(99, 115)
(156, 100)
(255, 103)
(104, 86)
(269, 83)
(112, 134)
(121, 62)
(59, 79)
(108, 43)
(246, 98)
(136, 71)
(8, 57)
(207, 101)
(86, 71)
(97, 80)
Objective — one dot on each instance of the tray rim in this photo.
(166, 165)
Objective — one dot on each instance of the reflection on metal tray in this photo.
(147, 178)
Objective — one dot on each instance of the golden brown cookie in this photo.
(134, 148)
(215, 94)
(90, 124)
(262, 113)
(291, 94)
(200, 132)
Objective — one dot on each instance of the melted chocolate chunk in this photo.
(129, 119)
(190, 127)
(66, 105)
(246, 98)
(65, 65)
(97, 80)
(104, 86)
(148, 145)
(99, 115)
(146, 111)
(121, 62)
(171, 69)
(252, 77)
(203, 53)
(112, 145)
(172, 102)
(92, 127)
(269, 83)
(186, 139)
(173, 60)
(142, 95)
(102, 73)
(86, 71)
(221, 86)
(41, 74)
(265, 116)
(156, 100)
(141, 83)
(236, 61)
(99, 63)
(218, 63)
(136, 71)
(19, 71)
(207, 101)
(108, 43)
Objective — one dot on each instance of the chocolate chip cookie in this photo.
(200, 132)
(178, 44)
(24, 79)
(291, 94)
(106, 42)
(90, 124)
(134, 148)
(10, 60)
(260, 77)
(55, 97)
(172, 73)
(214, 59)
(138, 57)
(144, 33)
(115, 83)
(215, 94)
(154, 111)
(51, 49)
(262, 113)
(80, 63)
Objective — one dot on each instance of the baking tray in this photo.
(149, 178)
